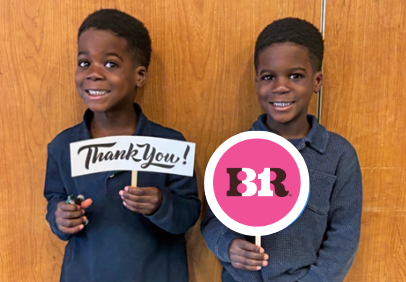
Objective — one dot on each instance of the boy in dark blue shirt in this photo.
(133, 233)
(321, 244)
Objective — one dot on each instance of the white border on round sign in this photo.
(257, 230)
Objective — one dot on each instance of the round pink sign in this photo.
(257, 183)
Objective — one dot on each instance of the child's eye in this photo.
(268, 77)
(295, 76)
(111, 65)
(83, 64)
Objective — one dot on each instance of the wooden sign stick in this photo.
(258, 240)
(134, 178)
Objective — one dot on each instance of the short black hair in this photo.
(296, 31)
(125, 26)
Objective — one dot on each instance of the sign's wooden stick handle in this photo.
(134, 178)
(258, 240)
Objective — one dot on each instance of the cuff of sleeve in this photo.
(165, 209)
(311, 276)
(54, 228)
(60, 234)
(224, 243)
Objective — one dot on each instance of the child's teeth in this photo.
(282, 104)
(94, 92)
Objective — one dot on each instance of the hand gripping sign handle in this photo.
(258, 240)
(134, 178)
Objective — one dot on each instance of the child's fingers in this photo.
(134, 190)
(249, 254)
(69, 214)
(62, 206)
(142, 191)
(142, 200)
(245, 245)
(71, 230)
(70, 223)
(139, 199)
(248, 262)
(137, 207)
(248, 246)
(148, 191)
(246, 265)
(151, 198)
(86, 203)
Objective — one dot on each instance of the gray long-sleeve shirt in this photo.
(321, 244)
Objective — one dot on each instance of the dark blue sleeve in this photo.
(338, 250)
(54, 192)
(217, 236)
(180, 207)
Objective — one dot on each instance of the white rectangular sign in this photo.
(138, 153)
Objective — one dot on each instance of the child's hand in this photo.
(247, 256)
(70, 218)
(145, 200)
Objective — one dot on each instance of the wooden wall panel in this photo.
(201, 83)
(363, 100)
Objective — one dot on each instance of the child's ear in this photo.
(256, 80)
(141, 76)
(318, 81)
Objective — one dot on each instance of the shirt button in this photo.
(111, 176)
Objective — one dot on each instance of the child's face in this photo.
(106, 76)
(285, 82)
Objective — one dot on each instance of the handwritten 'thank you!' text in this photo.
(132, 153)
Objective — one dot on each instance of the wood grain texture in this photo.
(201, 83)
(363, 101)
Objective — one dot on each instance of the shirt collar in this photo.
(142, 128)
(317, 138)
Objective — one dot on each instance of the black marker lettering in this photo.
(169, 158)
(90, 151)
(150, 155)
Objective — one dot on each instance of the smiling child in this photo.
(133, 233)
(321, 244)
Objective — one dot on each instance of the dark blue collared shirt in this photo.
(118, 244)
(321, 244)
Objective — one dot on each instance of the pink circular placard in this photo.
(255, 206)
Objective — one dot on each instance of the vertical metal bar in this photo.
(322, 30)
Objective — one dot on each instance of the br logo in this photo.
(256, 183)
(252, 188)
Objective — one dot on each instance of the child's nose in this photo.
(94, 73)
(280, 86)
